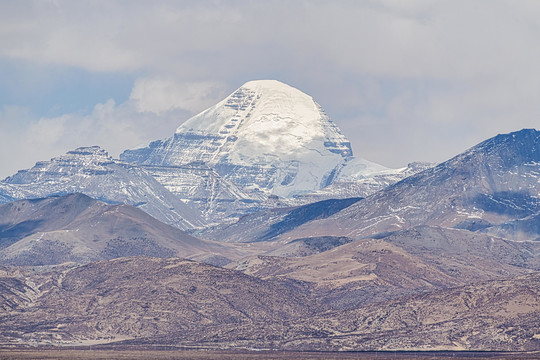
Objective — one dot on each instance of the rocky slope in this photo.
(218, 199)
(77, 228)
(488, 186)
(494, 315)
(178, 302)
(266, 225)
(369, 270)
(91, 171)
(145, 298)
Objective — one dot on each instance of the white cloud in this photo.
(412, 75)
(115, 127)
(81, 35)
(208, 41)
(159, 95)
(13, 124)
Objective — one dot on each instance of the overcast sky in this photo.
(405, 80)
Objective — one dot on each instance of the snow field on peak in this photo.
(266, 137)
(264, 120)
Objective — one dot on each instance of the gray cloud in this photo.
(405, 80)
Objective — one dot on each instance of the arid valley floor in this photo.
(249, 355)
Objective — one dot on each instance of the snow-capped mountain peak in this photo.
(266, 136)
(267, 119)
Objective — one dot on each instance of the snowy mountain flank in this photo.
(266, 138)
(91, 171)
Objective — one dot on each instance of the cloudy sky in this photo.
(405, 80)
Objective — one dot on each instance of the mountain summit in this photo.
(266, 137)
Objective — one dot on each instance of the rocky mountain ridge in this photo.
(90, 170)
(486, 188)
(76, 228)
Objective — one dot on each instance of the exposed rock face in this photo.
(76, 228)
(90, 170)
(218, 199)
(493, 184)
(5, 191)
(15, 293)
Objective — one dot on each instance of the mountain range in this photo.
(492, 187)
(255, 226)
(90, 170)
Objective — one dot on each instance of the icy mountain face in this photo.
(91, 171)
(266, 137)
